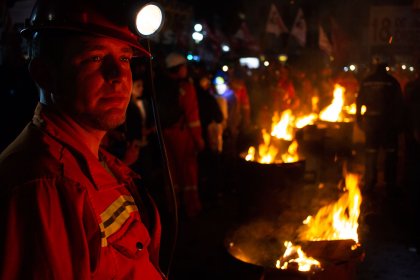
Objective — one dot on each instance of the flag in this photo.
(340, 42)
(323, 42)
(208, 33)
(244, 35)
(275, 24)
(214, 39)
(299, 28)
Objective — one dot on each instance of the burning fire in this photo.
(291, 155)
(268, 152)
(333, 112)
(282, 128)
(306, 120)
(295, 254)
(350, 109)
(337, 220)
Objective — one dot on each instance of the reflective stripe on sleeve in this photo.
(115, 216)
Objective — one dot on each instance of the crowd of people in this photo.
(219, 114)
(209, 117)
(66, 179)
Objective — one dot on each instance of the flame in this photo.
(291, 155)
(304, 262)
(251, 154)
(283, 129)
(337, 220)
(315, 103)
(306, 120)
(363, 110)
(333, 112)
(350, 109)
(268, 152)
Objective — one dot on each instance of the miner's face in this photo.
(93, 82)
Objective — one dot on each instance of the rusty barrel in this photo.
(264, 188)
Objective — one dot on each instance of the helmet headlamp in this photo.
(148, 19)
(118, 19)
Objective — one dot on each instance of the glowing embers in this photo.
(295, 257)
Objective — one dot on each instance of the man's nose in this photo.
(112, 69)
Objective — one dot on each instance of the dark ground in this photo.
(385, 230)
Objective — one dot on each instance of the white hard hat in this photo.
(174, 59)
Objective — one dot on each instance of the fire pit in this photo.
(328, 137)
(327, 242)
(338, 259)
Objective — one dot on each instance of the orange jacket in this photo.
(64, 216)
(188, 101)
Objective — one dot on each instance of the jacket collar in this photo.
(54, 123)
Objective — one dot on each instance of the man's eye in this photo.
(125, 59)
(96, 58)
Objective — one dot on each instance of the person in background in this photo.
(142, 139)
(211, 118)
(179, 115)
(284, 95)
(325, 84)
(69, 209)
(412, 157)
(381, 94)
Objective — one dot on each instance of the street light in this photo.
(198, 37)
(225, 48)
(198, 27)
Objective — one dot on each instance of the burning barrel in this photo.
(328, 137)
(327, 243)
(338, 259)
(265, 188)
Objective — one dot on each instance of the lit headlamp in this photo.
(118, 19)
(148, 19)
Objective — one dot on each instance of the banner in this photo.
(244, 35)
(299, 28)
(394, 29)
(323, 42)
(275, 24)
(341, 46)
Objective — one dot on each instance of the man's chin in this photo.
(104, 122)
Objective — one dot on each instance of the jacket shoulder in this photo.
(32, 155)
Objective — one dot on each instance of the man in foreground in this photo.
(69, 210)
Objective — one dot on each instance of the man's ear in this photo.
(42, 74)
